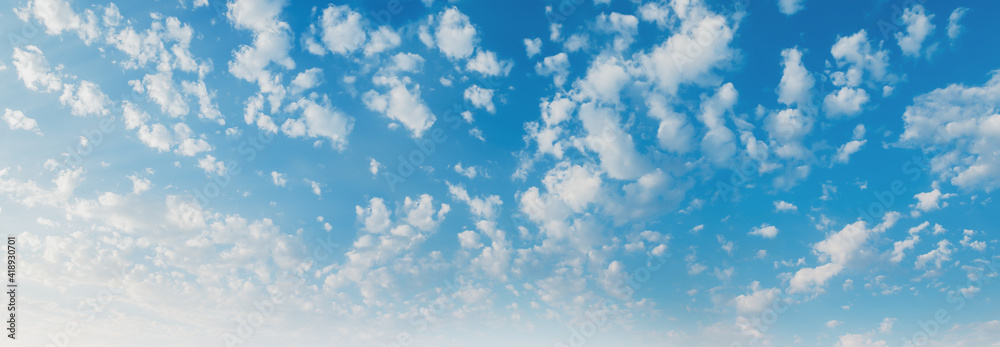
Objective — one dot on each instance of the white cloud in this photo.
(374, 166)
(787, 129)
(937, 256)
(469, 239)
(278, 179)
(967, 241)
(400, 104)
(656, 13)
(212, 166)
(606, 77)
(17, 120)
(557, 66)
(624, 26)
(845, 102)
(532, 46)
(932, 200)
(886, 326)
(382, 40)
(855, 52)
(33, 69)
(918, 27)
(162, 90)
(480, 97)
(757, 300)
(407, 62)
(316, 187)
(85, 99)
(455, 35)
(964, 119)
(206, 108)
(271, 44)
(342, 29)
(467, 171)
(790, 7)
(954, 27)
(899, 248)
(306, 80)
(486, 208)
(718, 143)
(838, 250)
(486, 63)
(57, 16)
(614, 146)
(156, 136)
(796, 82)
(766, 231)
(675, 133)
(833, 324)
(185, 214)
(319, 120)
(687, 56)
(855, 340)
(846, 150)
(782, 206)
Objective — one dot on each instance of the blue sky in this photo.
(542, 173)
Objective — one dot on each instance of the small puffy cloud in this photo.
(33, 69)
(278, 179)
(783, 206)
(467, 171)
(757, 300)
(455, 36)
(932, 200)
(480, 97)
(306, 80)
(846, 150)
(319, 120)
(557, 66)
(936, 256)
(401, 104)
(918, 27)
(469, 239)
(954, 27)
(382, 40)
(845, 102)
(790, 7)
(315, 187)
(406, 62)
(624, 26)
(374, 166)
(486, 63)
(140, 184)
(766, 231)
(85, 99)
(685, 57)
(796, 82)
(58, 16)
(212, 166)
(532, 46)
(17, 120)
(857, 55)
(833, 324)
(163, 91)
(787, 128)
(207, 109)
(855, 340)
(964, 119)
(967, 241)
(342, 29)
